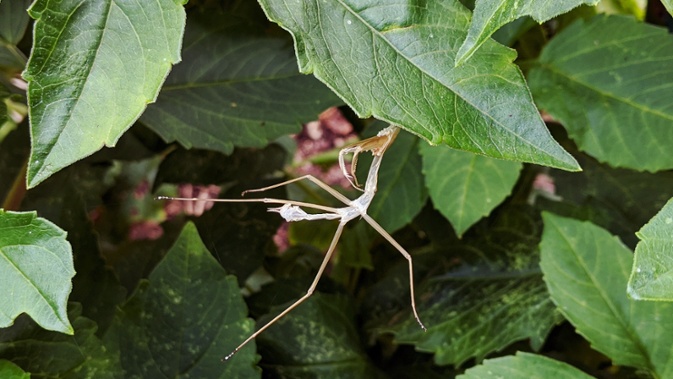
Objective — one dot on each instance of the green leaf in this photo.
(94, 67)
(524, 366)
(9, 370)
(13, 21)
(465, 187)
(363, 52)
(652, 274)
(54, 355)
(245, 92)
(491, 15)
(319, 339)
(586, 270)
(482, 294)
(184, 319)
(36, 268)
(607, 81)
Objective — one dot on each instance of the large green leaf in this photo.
(54, 355)
(184, 319)
(396, 62)
(479, 296)
(586, 270)
(36, 268)
(9, 370)
(607, 81)
(523, 366)
(94, 67)
(491, 15)
(465, 187)
(236, 86)
(652, 274)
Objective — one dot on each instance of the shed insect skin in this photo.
(292, 211)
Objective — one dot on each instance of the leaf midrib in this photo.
(603, 93)
(43, 296)
(607, 300)
(484, 114)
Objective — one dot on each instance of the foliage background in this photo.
(524, 265)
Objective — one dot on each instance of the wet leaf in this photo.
(652, 274)
(586, 270)
(184, 319)
(465, 187)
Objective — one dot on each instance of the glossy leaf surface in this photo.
(652, 274)
(37, 267)
(363, 51)
(586, 270)
(94, 67)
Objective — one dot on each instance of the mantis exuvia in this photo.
(291, 211)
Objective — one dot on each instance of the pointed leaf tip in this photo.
(36, 267)
(484, 106)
